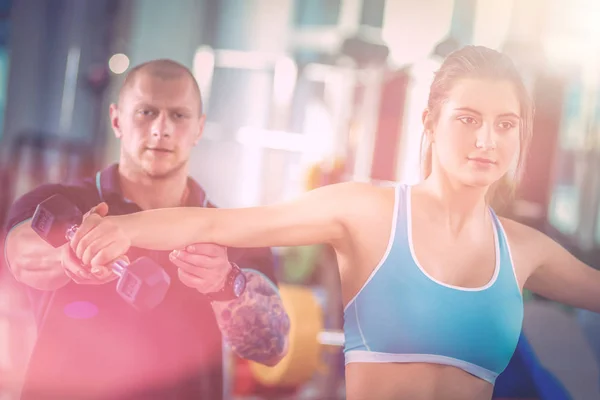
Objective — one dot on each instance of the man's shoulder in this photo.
(210, 204)
(82, 187)
(82, 194)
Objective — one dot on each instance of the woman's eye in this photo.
(468, 120)
(506, 125)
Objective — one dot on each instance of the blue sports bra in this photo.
(401, 314)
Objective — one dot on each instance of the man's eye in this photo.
(145, 112)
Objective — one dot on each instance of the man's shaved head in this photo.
(158, 119)
(163, 69)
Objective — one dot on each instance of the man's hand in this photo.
(202, 266)
(255, 325)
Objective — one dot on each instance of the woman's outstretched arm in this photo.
(318, 216)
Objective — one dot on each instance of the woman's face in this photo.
(476, 135)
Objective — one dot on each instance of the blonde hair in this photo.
(480, 62)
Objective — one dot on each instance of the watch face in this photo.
(238, 284)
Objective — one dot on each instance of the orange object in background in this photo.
(325, 173)
(245, 385)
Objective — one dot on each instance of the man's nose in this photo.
(162, 126)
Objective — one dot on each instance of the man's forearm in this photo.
(46, 280)
(43, 273)
(33, 262)
(256, 325)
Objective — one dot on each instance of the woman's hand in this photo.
(100, 240)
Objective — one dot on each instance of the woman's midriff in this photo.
(414, 381)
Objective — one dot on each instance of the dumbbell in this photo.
(143, 283)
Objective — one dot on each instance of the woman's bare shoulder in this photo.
(521, 233)
(527, 245)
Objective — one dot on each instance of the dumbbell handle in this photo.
(118, 266)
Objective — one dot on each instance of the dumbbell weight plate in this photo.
(144, 284)
(304, 353)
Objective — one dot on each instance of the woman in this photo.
(432, 279)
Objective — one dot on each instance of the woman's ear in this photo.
(428, 124)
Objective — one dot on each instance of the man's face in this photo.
(158, 121)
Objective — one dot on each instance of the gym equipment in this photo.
(326, 172)
(299, 263)
(244, 384)
(306, 339)
(143, 283)
(526, 377)
(34, 158)
(562, 349)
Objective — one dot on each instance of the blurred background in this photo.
(299, 94)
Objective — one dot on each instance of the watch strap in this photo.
(227, 292)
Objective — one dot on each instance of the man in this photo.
(93, 345)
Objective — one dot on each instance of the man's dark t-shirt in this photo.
(93, 345)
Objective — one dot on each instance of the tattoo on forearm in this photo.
(255, 325)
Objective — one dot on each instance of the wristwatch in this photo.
(234, 286)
